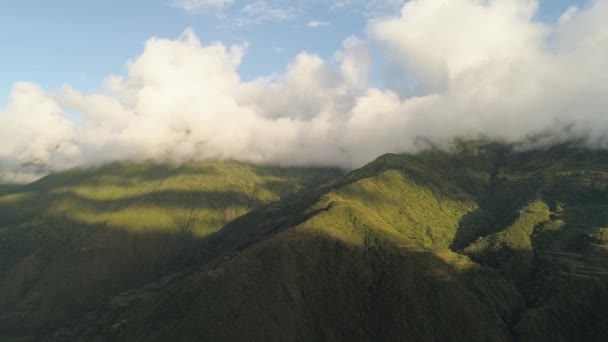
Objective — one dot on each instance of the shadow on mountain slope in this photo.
(305, 285)
(57, 268)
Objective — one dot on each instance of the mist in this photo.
(457, 68)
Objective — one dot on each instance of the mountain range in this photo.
(478, 241)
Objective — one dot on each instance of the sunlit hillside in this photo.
(70, 240)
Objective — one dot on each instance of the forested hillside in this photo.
(72, 240)
(482, 241)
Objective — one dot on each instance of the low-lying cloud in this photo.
(465, 68)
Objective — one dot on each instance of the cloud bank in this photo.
(464, 68)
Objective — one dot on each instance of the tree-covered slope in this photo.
(479, 242)
(73, 239)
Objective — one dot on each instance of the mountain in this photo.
(481, 241)
(72, 240)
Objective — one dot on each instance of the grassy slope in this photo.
(71, 240)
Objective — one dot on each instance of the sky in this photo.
(76, 42)
(304, 82)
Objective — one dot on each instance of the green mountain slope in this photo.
(481, 242)
(72, 240)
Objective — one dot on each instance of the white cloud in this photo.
(340, 4)
(568, 14)
(34, 132)
(355, 61)
(378, 8)
(198, 5)
(258, 12)
(370, 8)
(316, 23)
(488, 67)
(479, 67)
(439, 40)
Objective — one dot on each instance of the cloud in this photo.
(474, 68)
(315, 24)
(568, 14)
(369, 8)
(490, 68)
(379, 8)
(355, 61)
(34, 133)
(198, 5)
(438, 41)
(340, 4)
(258, 12)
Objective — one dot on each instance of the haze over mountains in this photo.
(456, 68)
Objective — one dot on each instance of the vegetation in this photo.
(476, 242)
(70, 241)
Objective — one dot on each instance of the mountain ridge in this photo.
(387, 250)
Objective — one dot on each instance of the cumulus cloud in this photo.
(476, 68)
(489, 67)
(34, 133)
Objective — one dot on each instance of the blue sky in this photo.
(81, 42)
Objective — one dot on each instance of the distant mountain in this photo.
(478, 242)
